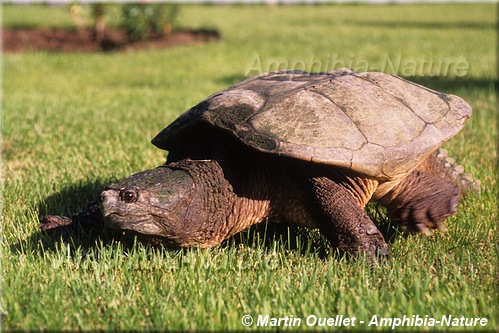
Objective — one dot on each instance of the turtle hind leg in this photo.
(343, 221)
(422, 201)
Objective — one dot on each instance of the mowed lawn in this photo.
(73, 123)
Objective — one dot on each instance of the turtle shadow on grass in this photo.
(266, 235)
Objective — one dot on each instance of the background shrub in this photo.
(140, 20)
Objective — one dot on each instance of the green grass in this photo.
(75, 122)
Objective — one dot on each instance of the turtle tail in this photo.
(439, 164)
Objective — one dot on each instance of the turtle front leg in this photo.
(422, 201)
(89, 219)
(343, 221)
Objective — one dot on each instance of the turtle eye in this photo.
(129, 195)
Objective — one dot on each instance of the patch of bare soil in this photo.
(64, 40)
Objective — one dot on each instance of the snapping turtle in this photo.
(307, 148)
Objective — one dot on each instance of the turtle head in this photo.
(152, 203)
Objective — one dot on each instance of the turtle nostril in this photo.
(104, 194)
